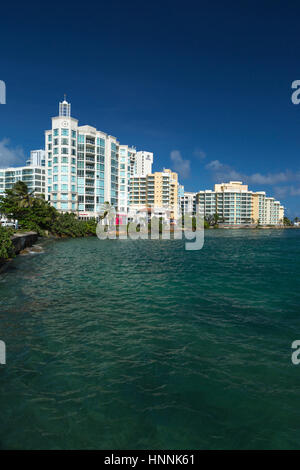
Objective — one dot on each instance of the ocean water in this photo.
(141, 344)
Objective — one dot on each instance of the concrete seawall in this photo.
(23, 240)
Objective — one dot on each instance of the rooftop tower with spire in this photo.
(64, 108)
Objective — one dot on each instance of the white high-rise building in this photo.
(126, 168)
(37, 158)
(188, 203)
(142, 165)
(86, 167)
(131, 164)
(82, 166)
(33, 176)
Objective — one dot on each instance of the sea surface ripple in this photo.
(122, 344)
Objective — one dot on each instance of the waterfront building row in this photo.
(81, 168)
(235, 204)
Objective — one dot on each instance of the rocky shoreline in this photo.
(22, 243)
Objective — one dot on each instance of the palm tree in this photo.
(22, 196)
(105, 208)
(213, 219)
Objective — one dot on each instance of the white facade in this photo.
(86, 167)
(272, 211)
(188, 203)
(37, 158)
(33, 176)
(142, 165)
(127, 157)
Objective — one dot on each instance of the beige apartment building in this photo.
(158, 190)
(266, 210)
(236, 205)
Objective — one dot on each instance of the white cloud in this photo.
(294, 191)
(199, 154)
(270, 178)
(10, 156)
(225, 173)
(283, 191)
(214, 165)
(180, 165)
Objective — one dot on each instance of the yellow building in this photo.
(232, 186)
(236, 205)
(158, 190)
(281, 214)
(266, 210)
(255, 207)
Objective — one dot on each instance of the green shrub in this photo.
(69, 226)
(6, 245)
(36, 214)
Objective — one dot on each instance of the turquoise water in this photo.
(141, 344)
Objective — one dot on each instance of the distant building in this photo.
(158, 190)
(131, 163)
(33, 176)
(142, 165)
(188, 203)
(236, 205)
(179, 196)
(37, 158)
(266, 210)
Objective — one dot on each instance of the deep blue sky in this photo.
(210, 80)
